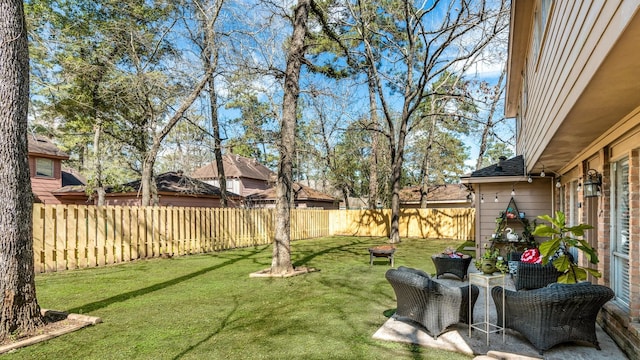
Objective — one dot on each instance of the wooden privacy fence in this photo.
(449, 223)
(76, 236)
(69, 237)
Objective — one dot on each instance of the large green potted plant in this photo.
(564, 237)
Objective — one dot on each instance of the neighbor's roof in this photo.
(169, 182)
(436, 193)
(300, 193)
(71, 177)
(173, 182)
(235, 166)
(40, 145)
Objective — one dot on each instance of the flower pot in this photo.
(488, 266)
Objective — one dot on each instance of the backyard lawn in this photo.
(207, 306)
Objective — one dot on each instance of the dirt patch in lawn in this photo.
(56, 323)
(296, 271)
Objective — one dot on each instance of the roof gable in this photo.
(235, 166)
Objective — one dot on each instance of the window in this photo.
(620, 232)
(540, 25)
(574, 204)
(44, 167)
(561, 200)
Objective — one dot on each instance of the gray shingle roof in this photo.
(173, 182)
(506, 167)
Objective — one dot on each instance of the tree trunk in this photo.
(396, 176)
(345, 195)
(19, 310)
(146, 177)
(210, 60)
(396, 172)
(217, 151)
(373, 157)
(97, 158)
(152, 153)
(426, 162)
(281, 260)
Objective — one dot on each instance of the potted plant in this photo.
(563, 238)
(491, 261)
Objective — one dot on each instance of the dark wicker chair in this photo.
(534, 276)
(433, 306)
(555, 314)
(456, 266)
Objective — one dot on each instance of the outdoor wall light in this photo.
(592, 183)
(496, 199)
(513, 191)
(482, 198)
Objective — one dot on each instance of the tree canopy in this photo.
(387, 97)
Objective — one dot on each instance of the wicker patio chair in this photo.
(433, 306)
(534, 276)
(555, 314)
(455, 266)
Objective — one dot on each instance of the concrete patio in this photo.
(515, 346)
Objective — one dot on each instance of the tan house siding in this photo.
(580, 39)
(533, 199)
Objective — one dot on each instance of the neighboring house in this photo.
(47, 175)
(573, 87)
(174, 189)
(244, 176)
(438, 196)
(304, 197)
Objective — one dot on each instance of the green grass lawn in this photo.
(207, 307)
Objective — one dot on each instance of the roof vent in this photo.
(499, 166)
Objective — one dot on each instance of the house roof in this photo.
(169, 182)
(301, 193)
(505, 170)
(505, 167)
(173, 182)
(72, 177)
(235, 166)
(436, 193)
(42, 146)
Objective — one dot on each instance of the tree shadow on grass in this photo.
(88, 308)
(222, 326)
(340, 248)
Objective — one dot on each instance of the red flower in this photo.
(531, 256)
